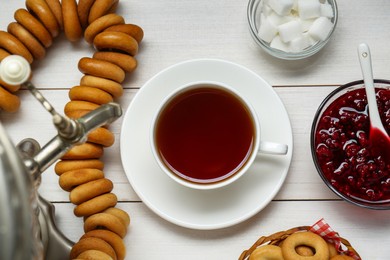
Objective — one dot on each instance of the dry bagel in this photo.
(89, 190)
(120, 214)
(83, 8)
(101, 136)
(113, 239)
(14, 46)
(113, 7)
(79, 105)
(90, 94)
(95, 205)
(29, 41)
(8, 101)
(91, 243)
(100, 25)
(309, 239)
(99, 68)
(93, 255)
(131, 29)
(84, 151)
(32, 24)
(110, 86)
(72, 26)
(117, 41)
(105, 221)
(56, 9)
(75, 114)
(267, 252)
(3, 54)
(126, 62)
(100, 8)
(69, 165)
(8, 87)
(42, 11)
(73, 178)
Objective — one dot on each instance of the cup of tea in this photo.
(205, 135)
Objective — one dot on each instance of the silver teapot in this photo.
(27, 221)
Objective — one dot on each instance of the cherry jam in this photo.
(344, 152)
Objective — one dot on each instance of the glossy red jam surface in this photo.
(344, 152)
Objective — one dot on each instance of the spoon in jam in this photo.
(378, 137)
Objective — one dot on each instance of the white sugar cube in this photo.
(320, 28)
(309, 9)
(289, 31)
(294, 25)
(279, 19)
(267, 30)
(299, 44)
(277, 43)
(267, 10)
(306, 24)
(309, 38)
(326, 10)
(281, 7)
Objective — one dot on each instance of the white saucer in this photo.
(205, 209)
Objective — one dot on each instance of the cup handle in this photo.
(272, 148)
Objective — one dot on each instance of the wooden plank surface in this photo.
(181, 30)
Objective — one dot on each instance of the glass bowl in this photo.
(256, 12)
(341, 150)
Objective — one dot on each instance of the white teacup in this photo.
(205, 135)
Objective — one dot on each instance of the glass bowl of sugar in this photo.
(292, 29)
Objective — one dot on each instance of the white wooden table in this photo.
(181, 30)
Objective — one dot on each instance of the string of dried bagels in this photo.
(81, 170)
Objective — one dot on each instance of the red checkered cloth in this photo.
(326, 232)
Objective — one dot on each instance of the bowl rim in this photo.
(310, 51)
(368, 205)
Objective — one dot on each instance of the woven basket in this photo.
(277, 238)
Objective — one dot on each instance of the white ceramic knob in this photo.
(14, 70)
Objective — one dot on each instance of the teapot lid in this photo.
(16, 216)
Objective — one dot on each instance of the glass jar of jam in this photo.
(342, 152)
